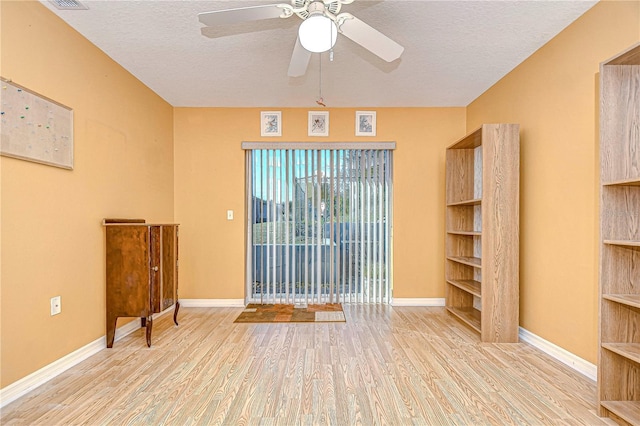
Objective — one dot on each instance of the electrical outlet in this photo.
(229, 214)
(56, 306)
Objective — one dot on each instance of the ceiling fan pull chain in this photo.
(320, 101)
(320, 78)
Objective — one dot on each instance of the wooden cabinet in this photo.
(142, 272)
(619, 331)
(482, 231)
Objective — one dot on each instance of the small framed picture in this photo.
(365, 123)
(318, 123)
(270, 123)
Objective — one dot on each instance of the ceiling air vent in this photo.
(68, 4)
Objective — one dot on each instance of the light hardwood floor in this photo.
(394, 366)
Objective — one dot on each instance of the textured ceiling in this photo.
(454, 51)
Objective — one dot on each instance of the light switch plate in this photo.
(229, 214)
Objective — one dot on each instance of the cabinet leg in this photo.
(149, 326)
(143, 322)
(175, 312)
(111, 330)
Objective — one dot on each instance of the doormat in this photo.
(330, 312)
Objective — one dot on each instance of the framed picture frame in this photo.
(365, 123)
(34, 127)
(270, 123)
(318, 123)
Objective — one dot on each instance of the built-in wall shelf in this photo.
(482, 238)
(619, 298)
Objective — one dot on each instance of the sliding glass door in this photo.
(319, 225)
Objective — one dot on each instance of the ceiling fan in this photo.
(325, 13)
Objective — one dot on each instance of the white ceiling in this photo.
(454, 51)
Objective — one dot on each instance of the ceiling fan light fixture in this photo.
(318, 33)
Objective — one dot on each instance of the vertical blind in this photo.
(319, 225)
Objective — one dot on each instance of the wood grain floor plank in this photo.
(395, 366)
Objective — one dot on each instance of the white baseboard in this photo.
(408, 301)
(578, 364)
(212, 303)
(21, 387)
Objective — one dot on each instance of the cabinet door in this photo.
(127, 271)
(155, 267)
(169, 266)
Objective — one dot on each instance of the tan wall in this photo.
(209, 181)
(52, 238)
(52, 242)
(554, 97)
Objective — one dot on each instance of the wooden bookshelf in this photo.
(619, 316)
(482, 243)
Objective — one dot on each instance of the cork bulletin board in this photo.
(34, 128)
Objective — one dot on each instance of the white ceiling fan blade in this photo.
(299, 60)
(242, 14)
(370, 38)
